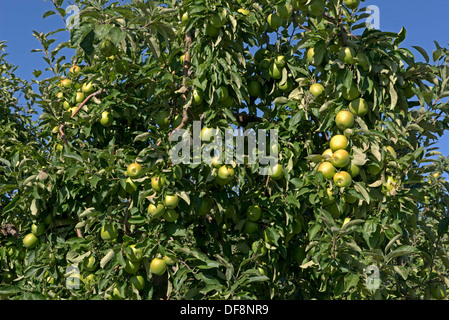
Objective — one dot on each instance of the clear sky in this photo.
(425, 21)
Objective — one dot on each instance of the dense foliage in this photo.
(71, 201)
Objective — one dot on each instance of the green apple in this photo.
(171, 201)
(344, 119)
(75, 70)
(134, 254)
(170, 215)
(132, 267)
(274, 21)
(338, 142)
(342, 179)
(351, 4)
(316, 89)
(66, 83)
(134, 170)
(157, 183)
(226, 173)
(354, 170)
(158, 266)
(90, 263)
(138, 282)
(274, 71)
(351, 93)
(314, 59)
(340, 158)
(254, 213)
(30, 241)
(277, 172)
(87, 87)
(130, 186)
(162, 119)
(316, 7)
(79, 97)
(358, 107)
(251, 227)
(185, 17)
(108, 232)
(280, 61)
(327, 169)
(217, 20)
(197, 97)
(347, 55)
(156, 210)
(254, 88)
(284, 11)
(38, 229)
(211, 31)
(106, 119)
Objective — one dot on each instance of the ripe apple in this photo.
(351, 93)
(347, 55)
(340, 158)
(342, 179)
(197, 97)
(135, 254)
(106, 119)
(330, 198)
(87, 87)
(351, 4)
(280, 61)
(359, 107)
(130, 186)
(344, 119)
(30, 241)
(354, 170)
(274, 71)
(75, 70)
(327, 169)
(137, 281)
(226, 173)
(185, 17)
(277, 172)
(108, 232)
(253, 213)
(254, 88)
(90, 263)
(162, 119)
(171, 201)
(314, 59)
(316, 89)
(38, 229)
(66, 83)
(157, 183)
(158, 266)
(274, 21)
(327, 154)
(156, 210)
(134, 170)
(338, 142)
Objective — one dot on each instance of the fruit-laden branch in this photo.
(77, 110)
(344, 32)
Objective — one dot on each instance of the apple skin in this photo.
(157, 183)
(352, 93)
(280, 61)
(134, 170)
(312, 58)
(342, 179)
(226, 173)
(106, 119)
(253, 213)
(354, 170)
(66, 83)
(108, 232)
(340, 158)
(130, 186)
(327, 169)
(359, 107)
(338, 142)
(156, 210)
(274, 71)
(158, 266)
(171, 201)
(347, 55)
(344, 120)
(185, 17)
(87, 87)
(136, 254)
(316, 90)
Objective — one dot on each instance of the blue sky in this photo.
(424, 22)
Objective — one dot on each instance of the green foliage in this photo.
(68, 170)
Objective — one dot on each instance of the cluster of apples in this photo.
(337, 157)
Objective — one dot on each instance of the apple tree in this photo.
(93, 207)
